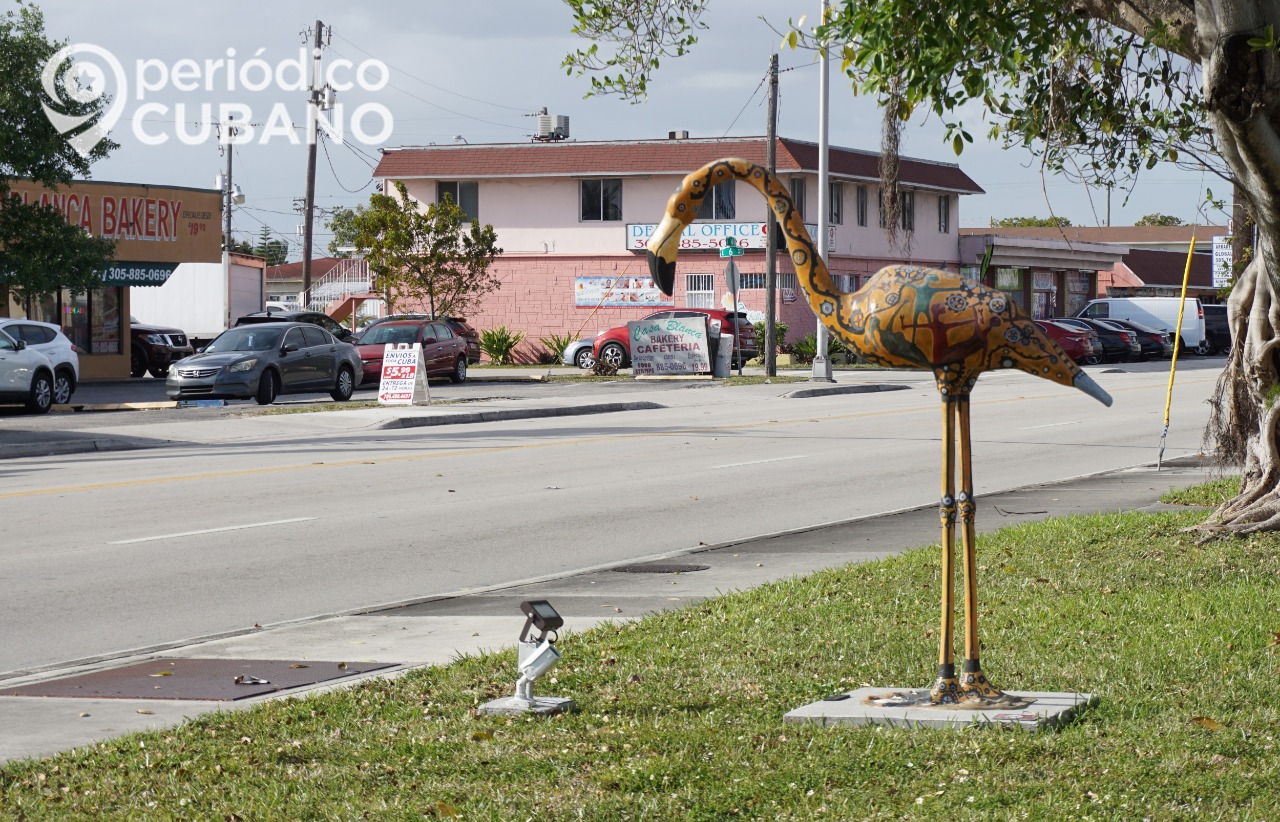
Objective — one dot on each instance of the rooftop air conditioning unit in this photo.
(552, 127)
(678, 135)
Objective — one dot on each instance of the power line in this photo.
(408, 93)
(763, 80)
(325, 145)
(424, 82)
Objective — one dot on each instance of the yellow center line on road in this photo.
(500, 449)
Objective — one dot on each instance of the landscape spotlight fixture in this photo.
(535, 657)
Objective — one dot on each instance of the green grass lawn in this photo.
(681, 713)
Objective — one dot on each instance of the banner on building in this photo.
(637, 292)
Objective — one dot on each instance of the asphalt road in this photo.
(110, 552)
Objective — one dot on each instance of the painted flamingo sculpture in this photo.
(907, 317)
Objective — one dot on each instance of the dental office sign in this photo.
(706, 236)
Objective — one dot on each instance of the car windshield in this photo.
(245, 339)
(393, 334)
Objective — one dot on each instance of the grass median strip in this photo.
(681, 713)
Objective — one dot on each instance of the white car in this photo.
(579, 353)
(49, 340)
(26, 375)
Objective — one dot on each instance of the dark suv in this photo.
(1216, 328)
(458, 325)
(153, 348)
(314, 317)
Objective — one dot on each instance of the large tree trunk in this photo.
(1242, 93)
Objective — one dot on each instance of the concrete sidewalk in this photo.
(411, 634)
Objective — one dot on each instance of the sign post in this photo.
(731, 250)
(404, 376)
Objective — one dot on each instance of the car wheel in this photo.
(459, 374)
(1205, 348)
(64, 385)
(159, 372)
(345, 385)
(266, 388)
(1093, 359)
(584, 358)
(41, 394)
(137, 363)
(614, 355)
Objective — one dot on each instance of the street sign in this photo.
(731, 248)
(731, 279)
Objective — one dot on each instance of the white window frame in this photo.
(699, 290)
(944, 213)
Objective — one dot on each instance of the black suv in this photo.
(1216, 328)
(314, 317)
(458, 325)
(153, 348)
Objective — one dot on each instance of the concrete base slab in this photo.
(539, 706)
(1048, 709)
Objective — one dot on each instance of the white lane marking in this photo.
(761, 462)
(1049, 425)
(212, 530)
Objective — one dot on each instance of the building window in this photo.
(465, 195)
(908, 207)
(944, 214)
(752, 280)
(600, 200)
(860, 197)
(1079, 287)
(787, 279)
(1010, 281)
(718, 204)
(91, 320)
(700, 290)
(797, 194)
(835, 193)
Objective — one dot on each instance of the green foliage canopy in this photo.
(1029, 222)
(435, 256)
(39, 251)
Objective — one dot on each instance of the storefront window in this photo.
(1009, 280)
(104, 327)
(92, 321)
(1044, 295)
(1078, 290)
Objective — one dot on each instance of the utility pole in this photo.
(228, 198)
(821, 364)
(770, 232)
(317, 98)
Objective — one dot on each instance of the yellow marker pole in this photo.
(1177, 344)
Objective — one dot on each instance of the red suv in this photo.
(614, 346)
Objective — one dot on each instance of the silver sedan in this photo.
(266, 360)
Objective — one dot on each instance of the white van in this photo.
(1157, 312)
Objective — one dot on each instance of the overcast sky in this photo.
(475, 71)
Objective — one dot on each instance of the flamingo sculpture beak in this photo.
(662, 250)
(1086, 384)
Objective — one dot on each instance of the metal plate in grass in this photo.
(196, 679)
(660, 568)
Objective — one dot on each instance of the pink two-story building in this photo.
(573, 218)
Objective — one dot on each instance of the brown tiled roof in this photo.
(1166, 267)
(639, 157)
(293, 271)
(1120, 234)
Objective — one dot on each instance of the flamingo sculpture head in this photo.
(905, 316)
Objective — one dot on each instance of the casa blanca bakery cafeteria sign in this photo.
(669, 345)
(706, 236)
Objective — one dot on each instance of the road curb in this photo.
(828, 390)
(504, 414)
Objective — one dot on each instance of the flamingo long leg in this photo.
(973, 682)
(947, 687)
